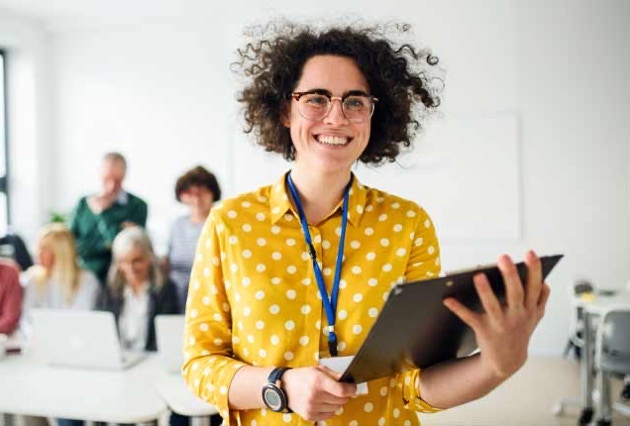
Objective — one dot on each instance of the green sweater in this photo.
(95, 233)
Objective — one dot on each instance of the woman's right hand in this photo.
(314, 392)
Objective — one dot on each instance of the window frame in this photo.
(5, 180)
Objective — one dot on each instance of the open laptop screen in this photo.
(82, 339)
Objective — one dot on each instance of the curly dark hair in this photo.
(198, 176)
(404, 79)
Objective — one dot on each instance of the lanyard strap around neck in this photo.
(330, 304)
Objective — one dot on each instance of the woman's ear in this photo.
(285, 115)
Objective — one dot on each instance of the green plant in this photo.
(57, 216)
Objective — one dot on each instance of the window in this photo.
(4, 152)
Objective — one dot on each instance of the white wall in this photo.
(152, 94)
(162, 93)
(30, 125)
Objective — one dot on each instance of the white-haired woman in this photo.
(137, 290)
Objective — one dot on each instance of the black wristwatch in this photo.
(273, 395)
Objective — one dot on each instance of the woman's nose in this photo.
(336, 114)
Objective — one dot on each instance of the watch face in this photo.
(273, 398)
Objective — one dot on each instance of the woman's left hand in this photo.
(503, 332)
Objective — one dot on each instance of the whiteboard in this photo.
(465, 171)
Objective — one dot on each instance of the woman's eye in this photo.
(317, 100)
(355, 103)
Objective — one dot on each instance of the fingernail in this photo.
(480, 279)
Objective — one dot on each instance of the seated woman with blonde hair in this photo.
(57, 281)
(136, 290)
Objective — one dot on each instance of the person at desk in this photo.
(57, 281)
(12, 247)
(10, 297)
(136, 290)
(297, 271)
(99, 217)
(198, 189)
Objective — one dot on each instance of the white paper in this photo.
(339, 365)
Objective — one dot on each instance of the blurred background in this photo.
(531, 149)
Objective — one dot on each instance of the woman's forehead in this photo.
(336, 74)
(133, 252)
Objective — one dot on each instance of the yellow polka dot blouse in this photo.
(253, 296)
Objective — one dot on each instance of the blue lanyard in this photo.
(329, 304)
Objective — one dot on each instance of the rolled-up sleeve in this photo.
(412, 395)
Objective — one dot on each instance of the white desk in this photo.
(29, 387)
(182, 401)
(592, 309)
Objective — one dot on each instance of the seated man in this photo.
(10, 297)
(98, 218)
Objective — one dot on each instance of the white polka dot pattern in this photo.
(254, 299)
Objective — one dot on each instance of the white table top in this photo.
(180, 399)
(29, 387)
(600, 303)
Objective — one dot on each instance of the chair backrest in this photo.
(169, 333)
(615, 332)
(582, 287)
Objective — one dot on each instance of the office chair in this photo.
(612, 357)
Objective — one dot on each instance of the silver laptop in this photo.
(82, 339)
(169, 333)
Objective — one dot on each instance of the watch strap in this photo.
(273, 381)
(276, 374)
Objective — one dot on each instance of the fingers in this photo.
(316, 416)
(324, 408)
(544, 295)
(489, 300)
(518, 296)
(340, 393)
(338, 389)
(332, 373)
(314, 392)
(534, 279)
(469, 317)
(542, 301)
(514, 293)
(330, 399)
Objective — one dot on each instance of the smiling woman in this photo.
(292, 274)
(401, 77)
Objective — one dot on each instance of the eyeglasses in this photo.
(316, 105)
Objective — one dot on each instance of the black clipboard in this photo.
(414, 329)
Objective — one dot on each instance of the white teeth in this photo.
(333, 140)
